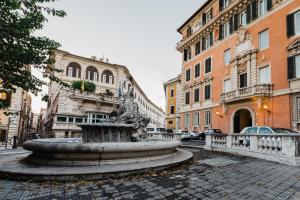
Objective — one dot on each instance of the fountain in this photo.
(115, 147)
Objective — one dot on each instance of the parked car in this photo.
(261, 130)
(209, 131)
(185, 135)
(156, 130)
(266, 130)
(194, 135)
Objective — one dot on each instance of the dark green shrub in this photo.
(88, 86)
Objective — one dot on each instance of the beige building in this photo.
(67, 107)
(17, 123)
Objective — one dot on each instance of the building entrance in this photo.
(242, 118)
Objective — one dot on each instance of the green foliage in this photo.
(45, 98)
(20, 48)
(108, 92)
(88, 86)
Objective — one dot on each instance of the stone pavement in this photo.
(211, 176)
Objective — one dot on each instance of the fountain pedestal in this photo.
(107, 132)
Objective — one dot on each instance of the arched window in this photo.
(73, 70)
(91, 73)
(107, 77)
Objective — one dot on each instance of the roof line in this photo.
(195, 13)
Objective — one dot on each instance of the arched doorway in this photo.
(242, 118)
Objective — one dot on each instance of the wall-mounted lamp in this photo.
(219, 114)
(265, 107)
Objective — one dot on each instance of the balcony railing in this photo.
(247, 92)
(283, 148)
(77, 94)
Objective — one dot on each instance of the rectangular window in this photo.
(207, 92)
(71, 119)
(197, 70)
(243, 18)
(187, 98)
(207, 65)
(188, 75)
(297, 22)
(227, 85)
(227, 57)
(197, 48)
(264, 75)
(297, 66)
(207, 42)
(264, 40)
(207, 118)
(243, 80)
(196, 121)
(196, 95)
(172, 93)
(70, 72)
(187, 120)
(225, 3)
(61, 119)
(77, 73)
(172, 109)
(95, 78)
(262, 7)
(226, 30)
(78, 120)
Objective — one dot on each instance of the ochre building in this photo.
(172, 95)
(241, 65)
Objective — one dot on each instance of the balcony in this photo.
(245, 93)
(77, 94)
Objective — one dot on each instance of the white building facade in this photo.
(68, 107)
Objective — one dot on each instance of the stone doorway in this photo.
(242, 118)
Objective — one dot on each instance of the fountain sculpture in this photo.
(113, 147)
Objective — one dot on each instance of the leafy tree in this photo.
(20, 48)
(88, 86)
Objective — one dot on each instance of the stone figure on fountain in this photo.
(128, 113)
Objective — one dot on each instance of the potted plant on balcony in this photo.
(109, 93)
(84, 86)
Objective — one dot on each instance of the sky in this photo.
(140, 34)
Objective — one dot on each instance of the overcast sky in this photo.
(140, 34)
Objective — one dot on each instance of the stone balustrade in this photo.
(283, 148)
(77, 94)
(256, 90)
(163, 136)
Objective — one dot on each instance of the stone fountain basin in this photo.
(75, 152)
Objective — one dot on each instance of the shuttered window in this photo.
(197, 70)
(188, 75)
(294, 67)
(208, 65)
(196, 95)
(187, 98)
(197, 48)
(243, 80)
(207, 92)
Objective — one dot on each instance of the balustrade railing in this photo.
(283, 148)
(163, 136)
(261, 89)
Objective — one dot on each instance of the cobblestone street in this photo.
(211, 176)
